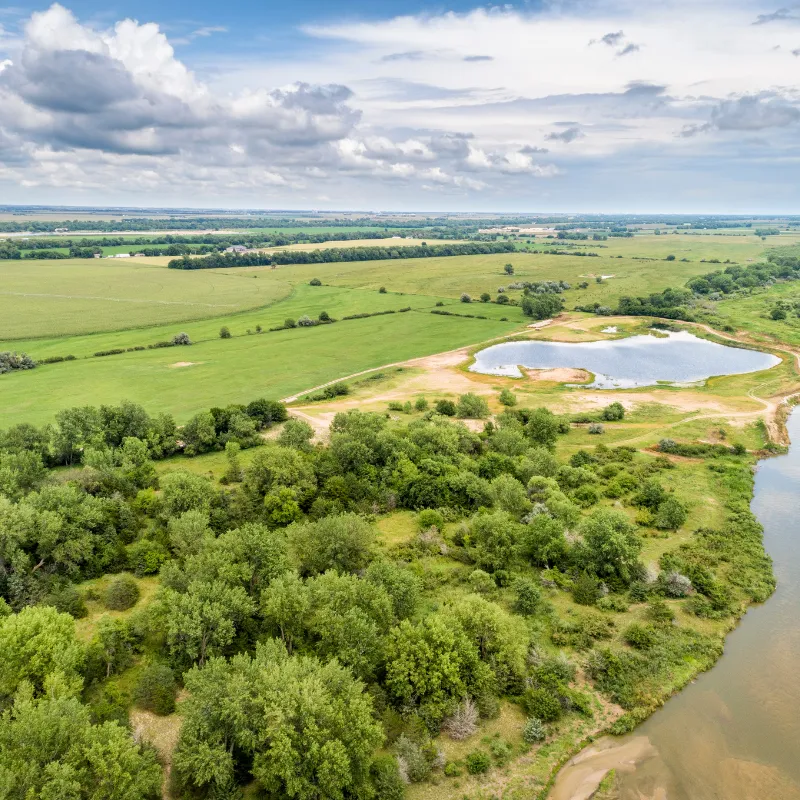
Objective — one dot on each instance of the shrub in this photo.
(463, 722)
(485, 297)
(502, 300)
(305, 321)
(465, 298)
(439, 303)
(446, 408)
(529, 596)
(382, 290)
(639, 636)
(470, 406)
(596, 428)
(451, 769)
(324, 316)
(224, 332)
(430, 518)
(671, 515)
(542, 704)
(534, 731)
(659, 612)
(68, 600)
(508, 398)
(386, 779)
(777, 314)
(481, 582)
(315, 282)
(675, 585)
(412, 764)
(121, 594)
(586, 590)
(501, 751)
(155, 691)
(421, 404)
(614, 412)
(146, 556)
(478, 762)
(289, 323)
(181, 338)
(10, 362)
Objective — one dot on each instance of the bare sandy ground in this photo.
(559, 375)
(442, 374)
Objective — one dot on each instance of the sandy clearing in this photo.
(179, 364)
(559, 375)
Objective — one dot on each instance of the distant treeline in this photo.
(176, 245)
(337, 254)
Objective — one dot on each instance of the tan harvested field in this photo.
(393, 242)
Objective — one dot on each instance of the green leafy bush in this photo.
(534, 731)
(155, 690)
(122, 593)
(478, 762)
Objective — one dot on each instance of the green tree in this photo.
(224, 332)
(199, 434)
(202, 621)
(402, 585)
(431, 664)
(156, 689)
(508, 398)
(35, 643)
(494, 538)
(471, 406)
(188, 533)
(542, 428)
(509, 495)
(610, 545)
(285, 605)
(344, 542)
(297, 434)
(544, 542)
(613, 412)
(508, 269)
(307, 727)
(671, 514)
(50, 749)
(182, 491)
(114, 644)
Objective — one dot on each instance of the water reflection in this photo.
(625, 363)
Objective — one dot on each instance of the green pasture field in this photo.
(694, 246)
(751, 312)
(65, 297)
(450, 276)
(236, 370)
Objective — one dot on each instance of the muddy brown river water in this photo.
(733, 734)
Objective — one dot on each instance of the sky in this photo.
(676, 106)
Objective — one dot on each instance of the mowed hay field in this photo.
(60, 298)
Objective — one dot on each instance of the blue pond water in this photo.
(627, 363)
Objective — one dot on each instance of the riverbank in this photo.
(734, 732)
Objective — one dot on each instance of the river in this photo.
(734, 733)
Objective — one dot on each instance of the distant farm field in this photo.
(82, 307)
(60, 298)
(215, 372)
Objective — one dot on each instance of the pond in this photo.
(626, 363)
(735, 732)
